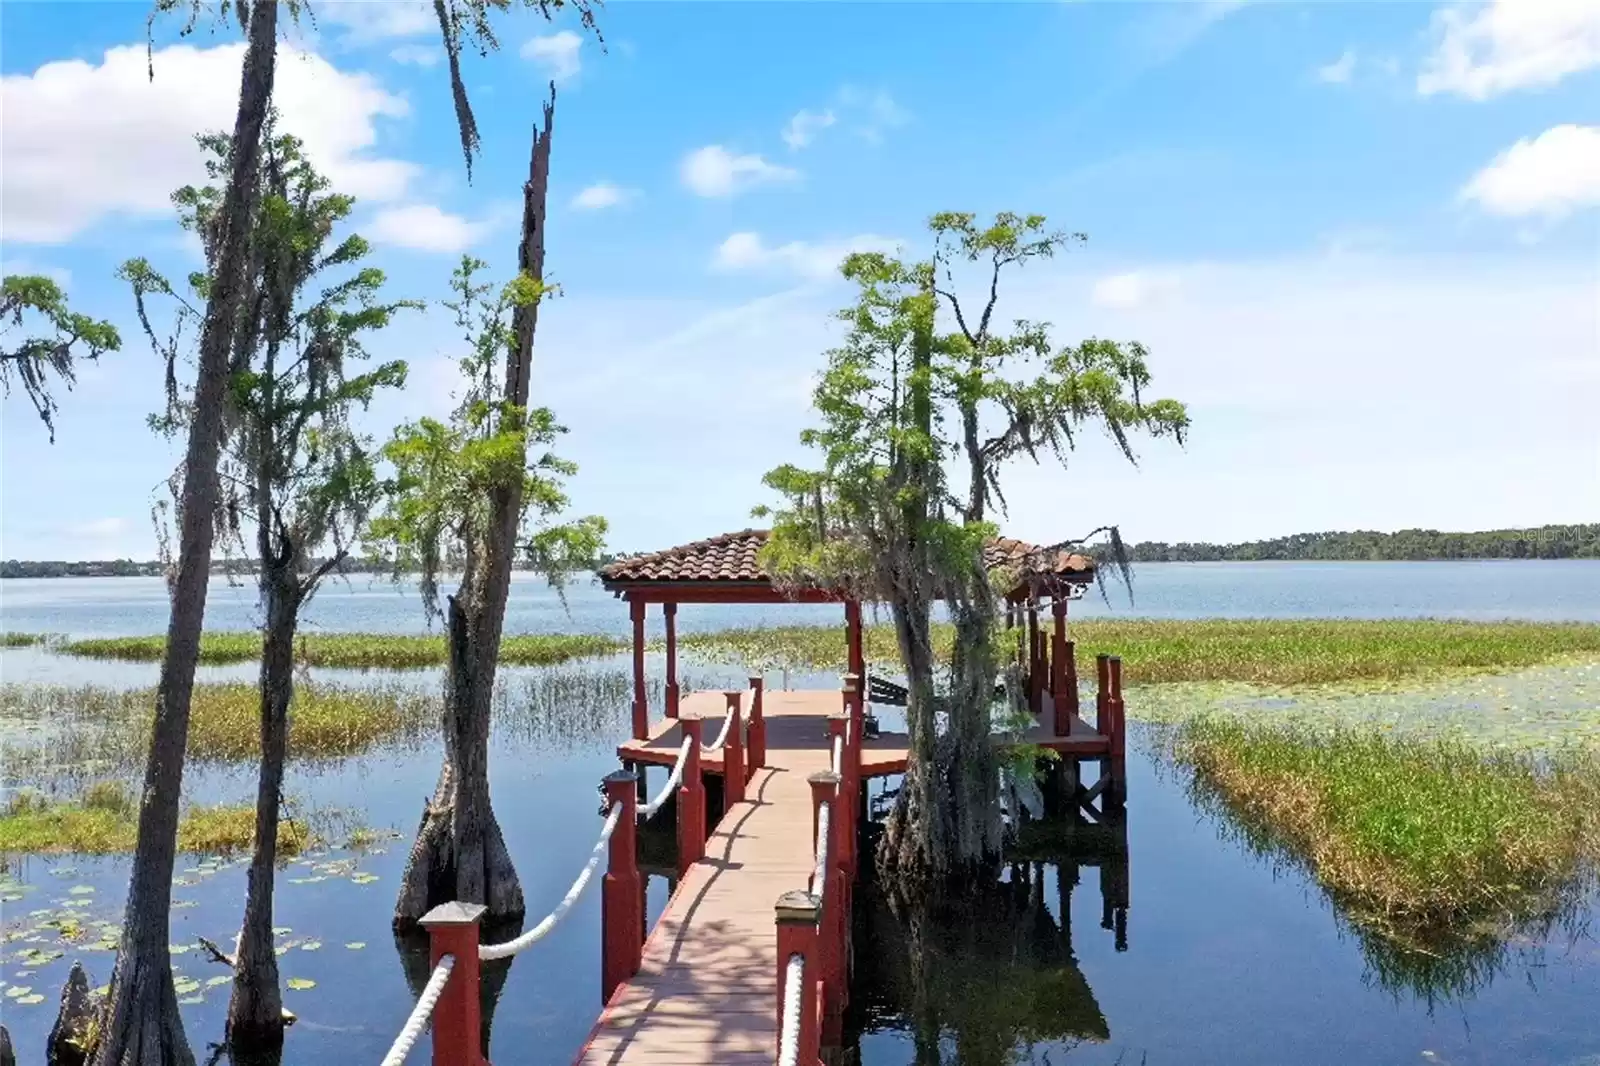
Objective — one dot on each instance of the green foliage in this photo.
(90, 825)
(449, 476)
(1544, 542)
(57, 337)
(293, 468)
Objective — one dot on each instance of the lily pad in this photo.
(81, 890)
(364, 879)
(17, 990)
(311, 945)
(356, 945)
(300, 984)
(213, 982)
(185, 986)
(29, 1001)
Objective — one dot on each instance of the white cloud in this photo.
(601, 195)
(747, 251)
(1338, 72)
(1548, 176)
(370, 20)
(804, 127)
(426, 228)
(1137, 289)
(559, 53)
(874, 111)
(84, 141)
(418, 55)
(1484, 50)
(716, 172)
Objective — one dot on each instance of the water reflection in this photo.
(984, 980)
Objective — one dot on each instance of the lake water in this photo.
(1227, 960)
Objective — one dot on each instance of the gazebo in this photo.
(727, 569)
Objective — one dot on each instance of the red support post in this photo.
(641, 707)
(457, 1030)
(670, 610)
(797, 915)
(1102, 695)
(856, 660)
(691, 801)
(1072, 679)
(1035, 671)
(758, 725)
(1058, 662)
(733, 775)
(838, 726)
(622, 891)
(1119, 735)
(830, 944)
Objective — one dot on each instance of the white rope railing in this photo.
(537, 933)
(419, 1014)
(671, 786)
(722, 737)
(819, 876)
(794, 976)
(838, 754)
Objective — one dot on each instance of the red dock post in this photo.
(830, 930)
(457, 1029)
(641, 708)
(1058, 673)
(838, 727)
(1102, 695)
(797, 915)
(622, 892)
(1119, 733)
(733, 775)
(1072, 680)
(758, 725)
(670, 610)
(691, 801)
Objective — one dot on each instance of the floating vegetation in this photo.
(1543, 708)
(392, 651)
(1263, 652)
(22, 640)
(104, 820)
(1437, 851)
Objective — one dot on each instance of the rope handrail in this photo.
(794, 976)
(673, 780)
(722, 737)
(819, 876)
(489, 952)
(420, 1013)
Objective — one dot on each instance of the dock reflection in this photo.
(986, 978)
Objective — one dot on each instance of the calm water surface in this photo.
(1227, 959)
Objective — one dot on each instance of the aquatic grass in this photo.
(392, 651)
(1257, 651)
(22, 640)
(1420, 838)
(72, 733)
(104, 821)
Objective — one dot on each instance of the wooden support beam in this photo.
(621, 891)
(641, 707)
(670, 611)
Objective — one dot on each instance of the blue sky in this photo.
(1361, 240)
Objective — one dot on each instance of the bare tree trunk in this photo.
(255, 1012)
(460, 853)
(142, 1026)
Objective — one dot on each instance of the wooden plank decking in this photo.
(706, 990)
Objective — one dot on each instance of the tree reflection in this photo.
(983, 980)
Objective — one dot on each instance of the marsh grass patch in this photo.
(390, 651)
(1438, 849)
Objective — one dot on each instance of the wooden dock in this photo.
(706, 985)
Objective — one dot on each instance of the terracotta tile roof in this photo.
(733, 557)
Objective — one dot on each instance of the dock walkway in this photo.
(707, 981)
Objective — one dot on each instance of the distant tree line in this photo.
(1545, 542)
